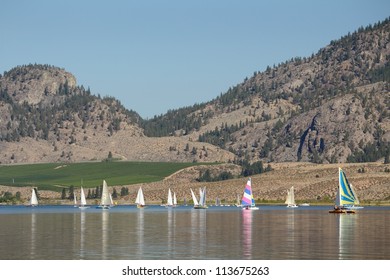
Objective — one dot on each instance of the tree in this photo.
(114, 193)
(63, 195)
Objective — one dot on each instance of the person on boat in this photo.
(336, 207)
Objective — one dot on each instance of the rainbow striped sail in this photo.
(247, 198)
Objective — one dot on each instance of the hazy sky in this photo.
(159, 55)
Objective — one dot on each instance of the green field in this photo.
(55, 176)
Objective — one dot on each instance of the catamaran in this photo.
(140, 200)
(247, 201)
(346, 199)
(105, 201)
(290, 200)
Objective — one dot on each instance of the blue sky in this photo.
(159, 55)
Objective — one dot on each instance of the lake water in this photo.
(125, 233)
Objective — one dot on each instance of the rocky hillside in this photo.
(331, 107)
(47, 117)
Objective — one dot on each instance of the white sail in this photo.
(202, 200)
(194, 198)
(105, 201)
(290, 200)
(34, 198)
(170, 199)
(140, 201)
(174, 199)
(111, 201)
(287, 197)
(83, 201)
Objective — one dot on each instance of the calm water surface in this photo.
(125, 232)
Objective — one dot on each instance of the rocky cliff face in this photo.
(36, 83)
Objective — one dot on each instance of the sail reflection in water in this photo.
(33, 235)
(140, 234)
(105, 233)
(82, 235)
(247, 234)
(347, 232)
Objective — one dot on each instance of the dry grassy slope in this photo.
(311, 182)
(122, 145)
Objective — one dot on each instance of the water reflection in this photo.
(82, 235)
(33, 235)
(140, 234)
(187, 233)
(347, 234)
(247, 233)
(171, 230)
(105, 218)
(290, 226)
(198, 232)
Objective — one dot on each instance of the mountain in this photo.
(46, 117)
(333, 106)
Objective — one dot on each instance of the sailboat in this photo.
(170, 199)
(247, 201)
(105, 201)
(194, 199)
(174, 200)
(140, 200)
(346, 199)
(75, 200)
(290, 200)
(202, 200)
(34, 199)
(83, 201)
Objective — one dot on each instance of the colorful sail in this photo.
(346, 193)
(247, 198)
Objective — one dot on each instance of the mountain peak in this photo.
(35, 82)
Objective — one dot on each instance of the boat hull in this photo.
(200, 207)
(342, 211)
